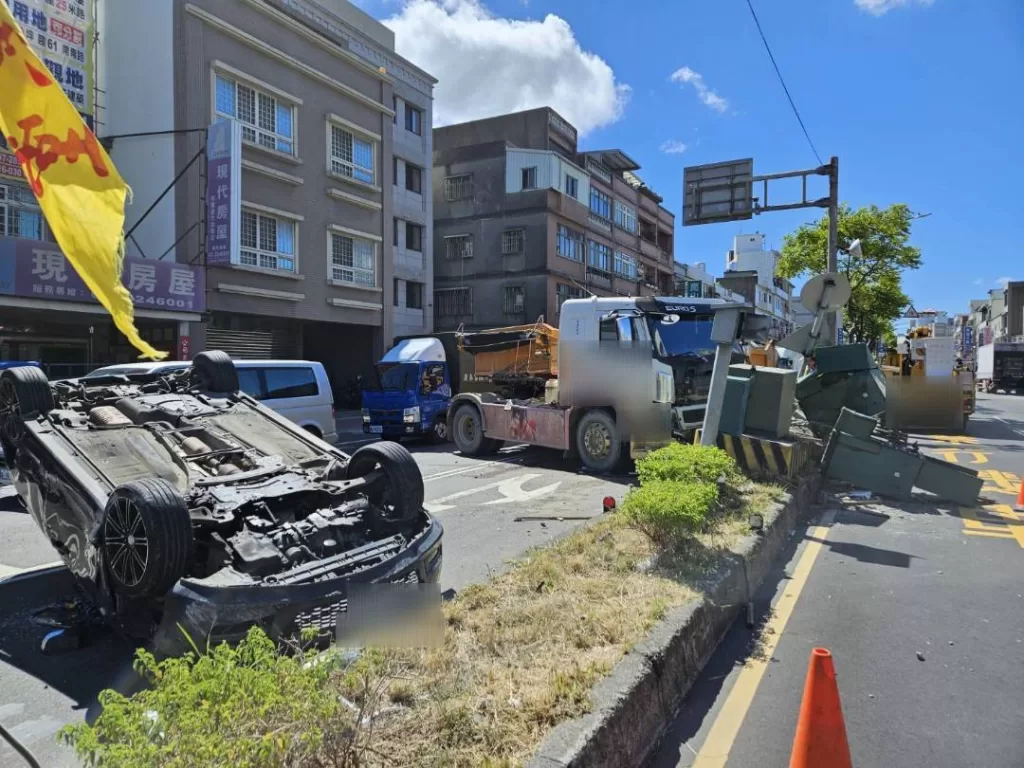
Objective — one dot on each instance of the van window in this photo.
(249, 382)
(290, 382)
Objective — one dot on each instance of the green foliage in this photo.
(241, 706)
(668, 511)
(686, 463)
(877, 296)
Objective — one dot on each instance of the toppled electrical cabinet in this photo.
(857, 455)
(844, 377)
(771, 399)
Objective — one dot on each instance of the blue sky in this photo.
(921, 101)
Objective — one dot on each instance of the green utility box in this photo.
(844, 377)
(772, 399)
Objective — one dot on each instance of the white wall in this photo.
(552, 169)
(134, 72)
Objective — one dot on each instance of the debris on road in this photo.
(920, 656)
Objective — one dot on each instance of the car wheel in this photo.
(598, 441)
(24, 394)
(468, 432)
(216, 371)
(399, 494)
(147, 537)
(313, 431)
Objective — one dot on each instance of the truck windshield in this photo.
(690, 337)
(397, 376)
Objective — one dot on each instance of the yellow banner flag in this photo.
(79, 189)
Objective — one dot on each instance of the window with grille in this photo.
(600, 204)
(564, 292)
(414, 178)
(599, 256)
(569, 243)
(458, 247)
(21, 216)
(530, 178)
(625, 217)
(693, 289)
(352, 260)
(267, 242)
(351, 155)
(514, 300)
(413, 236)
(625, 265)
(458, 187)
(413, 295)
(265, 119)
(453, 302)
(413, 120)
(572, 186)
(512, 240)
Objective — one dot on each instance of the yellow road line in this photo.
(990, 534)
(1014, 523)
(714, 752)
(979, 457)
(949, 456)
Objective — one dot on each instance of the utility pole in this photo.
(836, 318)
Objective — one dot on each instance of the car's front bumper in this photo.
(199, 613)
(395, 430)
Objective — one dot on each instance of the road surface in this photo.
(922, 607)
(476, 500)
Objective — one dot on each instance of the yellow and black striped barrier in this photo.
(773, 456)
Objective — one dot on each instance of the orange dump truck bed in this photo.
(515, 351)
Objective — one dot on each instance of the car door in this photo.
(435, 392)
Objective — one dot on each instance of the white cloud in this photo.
(882, 7)
(1003, 281)
(488, 65)
(673, 147)
(685, 75)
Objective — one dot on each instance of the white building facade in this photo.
(773, 295)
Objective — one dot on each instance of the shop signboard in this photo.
(968, 342)
(60, 32)
(33, 269)
(223, 192)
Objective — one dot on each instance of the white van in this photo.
(297, 389)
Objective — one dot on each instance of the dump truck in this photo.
(1000, 367)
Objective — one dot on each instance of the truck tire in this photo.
(439, 433)
(24, 394)
(598, 442)
(468, 432)
(216, 371)
(147, 537)
(399, 495)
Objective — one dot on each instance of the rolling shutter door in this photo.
(253, 345)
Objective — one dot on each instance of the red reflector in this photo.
(609, 503)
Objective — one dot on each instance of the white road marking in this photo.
(11, 573)
(1012, 429)
(512, 490)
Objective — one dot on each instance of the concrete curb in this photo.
(634, 705)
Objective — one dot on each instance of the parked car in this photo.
(298, 389)
(177, 500)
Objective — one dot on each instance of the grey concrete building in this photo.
(324, 107)
(524, 221)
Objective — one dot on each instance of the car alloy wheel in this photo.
(125, 542)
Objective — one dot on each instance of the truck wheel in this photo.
(439, 434)
(24, 394)
(468, 432)
(598, 441)
(216, 371)
(147, 537)
(399, 495)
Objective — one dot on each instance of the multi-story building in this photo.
(524, 221)
(694, 281)
(750, 271)
(259, 138)
(1000, 317)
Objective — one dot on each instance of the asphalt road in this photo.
(476, 500)
(878, 585)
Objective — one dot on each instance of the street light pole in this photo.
(833, 239)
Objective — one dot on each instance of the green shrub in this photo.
(241, 706)
(667, 511)
(687, 463)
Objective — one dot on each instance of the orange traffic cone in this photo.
(820, 740)
(1019, 506)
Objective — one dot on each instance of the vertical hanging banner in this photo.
(60, 33)
(223, 192)
(78, 188)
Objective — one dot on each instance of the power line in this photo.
(782, 80)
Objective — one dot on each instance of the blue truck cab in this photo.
(410, 391)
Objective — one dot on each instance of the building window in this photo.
(413, 236)
(453, 302)
(414, 178)
(351, 155)
(267, 242)
(352, 260)
(413, 120)
(265, 120)
(515, 300)
(599, 256)
(458, 247)
(625, 265)
(394, 102)
(395, 294)
(458, 187)
(564, 292)
(21, 216)
(413, 295)
(600, 204)
(394, 171)
(394, 231)
(572, 186)
(569, 243)
(625, 217)
(530, 177)
(512, 240)
(693, 289)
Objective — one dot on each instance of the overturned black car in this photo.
(180, 503)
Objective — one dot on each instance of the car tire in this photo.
(598, 442)
(216, 371)
(24, 394)
(468, 432)
(399, 496)
(155, 507)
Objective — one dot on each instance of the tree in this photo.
(876, 276)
